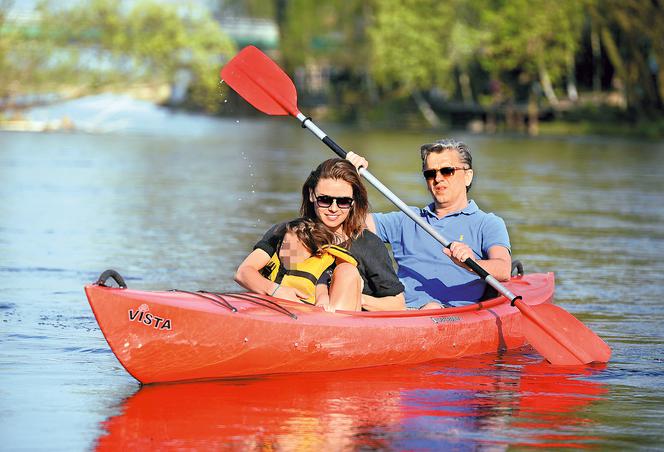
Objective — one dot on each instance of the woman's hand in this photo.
(289, 293)
(357, 160)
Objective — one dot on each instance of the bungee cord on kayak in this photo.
(218, 300)
(257, 299)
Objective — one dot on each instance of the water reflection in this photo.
(472, 402)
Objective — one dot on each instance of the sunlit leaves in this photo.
(100, 42)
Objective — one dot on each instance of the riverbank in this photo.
(112, 111)
(582, 120)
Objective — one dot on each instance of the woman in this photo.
(334, 195)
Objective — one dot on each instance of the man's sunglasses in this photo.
(446, 172)
(325, 201)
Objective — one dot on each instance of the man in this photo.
(433, 279)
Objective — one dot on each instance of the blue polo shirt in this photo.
(427, 273)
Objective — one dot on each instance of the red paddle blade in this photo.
(560, 337)
(258, 79)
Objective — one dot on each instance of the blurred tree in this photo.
(536, 39)
(409, 44)
(323, 41)
(101, 42)
(353, 53)
(250, 8)
(22, 54)
(631, 34)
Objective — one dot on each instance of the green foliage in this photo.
(420, 44)
(410, 41)
(376, 50)
(632, 37)
(250, 8)
(318, 31)
(102, 42)
(528, 34)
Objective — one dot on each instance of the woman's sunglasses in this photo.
(446, 172)
(325, 201)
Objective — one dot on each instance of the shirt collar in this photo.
(470, 209)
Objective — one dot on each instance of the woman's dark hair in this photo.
(312, 234)
(338, 169)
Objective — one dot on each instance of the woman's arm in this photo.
(390, 303)
(248, 273)
(248, 276)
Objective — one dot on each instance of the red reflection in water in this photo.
(470, 402)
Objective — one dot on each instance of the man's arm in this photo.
(499, 263)
(371, 224)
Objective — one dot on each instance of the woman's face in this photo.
(332, 216)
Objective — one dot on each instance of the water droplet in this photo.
(237, 121)
(225, 100)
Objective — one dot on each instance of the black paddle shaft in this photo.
(335, 147)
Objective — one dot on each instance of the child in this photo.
(304, 260)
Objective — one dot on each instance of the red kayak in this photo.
(177, 335)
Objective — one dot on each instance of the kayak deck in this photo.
(175, 336)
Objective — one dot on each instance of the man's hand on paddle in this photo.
(357, 160)
(459, 252)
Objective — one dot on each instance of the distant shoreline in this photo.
(581, 121)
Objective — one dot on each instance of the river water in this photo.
(177, 202)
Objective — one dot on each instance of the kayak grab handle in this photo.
(518, 266)
(110, 273)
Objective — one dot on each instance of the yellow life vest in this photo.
(305, 275)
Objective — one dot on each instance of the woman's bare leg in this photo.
(346, 288)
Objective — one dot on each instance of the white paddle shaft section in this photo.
(493, 282)
(309, 124)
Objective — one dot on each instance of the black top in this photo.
(373, 261)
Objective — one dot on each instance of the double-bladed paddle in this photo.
(555, 333)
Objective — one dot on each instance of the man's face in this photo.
(448, 191)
